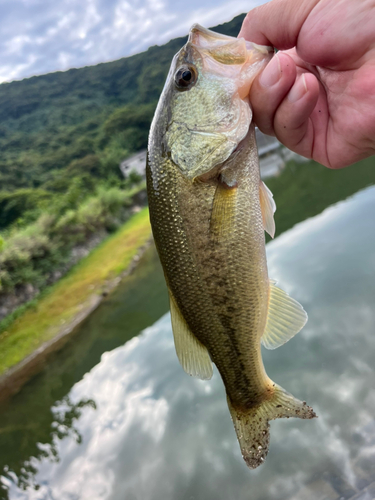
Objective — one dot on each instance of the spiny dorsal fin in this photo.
(268, 208)
(285, 318)
(191, 353)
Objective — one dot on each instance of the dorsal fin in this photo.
(191, 353)
(268, 208)
(285, 318)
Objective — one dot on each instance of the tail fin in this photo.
(252, 425)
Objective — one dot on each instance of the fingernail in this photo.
(271, 73)
(298, 90)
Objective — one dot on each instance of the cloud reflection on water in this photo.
(158, 434)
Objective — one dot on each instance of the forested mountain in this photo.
(62, 137)
(69, 130)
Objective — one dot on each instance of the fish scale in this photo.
(208, 211)
(209, 268)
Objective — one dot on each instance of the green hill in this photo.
(62, 137)
(75, 126)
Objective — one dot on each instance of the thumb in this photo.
(277, 23)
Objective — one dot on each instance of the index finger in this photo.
(277, 23)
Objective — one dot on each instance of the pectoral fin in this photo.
(191, 353)
(268, 208)
(223, 211)
(285, 318)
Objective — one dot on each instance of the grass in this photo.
(59, 304)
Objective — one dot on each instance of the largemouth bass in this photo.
(208, 210)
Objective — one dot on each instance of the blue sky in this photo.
(41, 36)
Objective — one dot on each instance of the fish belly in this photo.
(218, 276)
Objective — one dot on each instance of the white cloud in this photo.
(45, 36)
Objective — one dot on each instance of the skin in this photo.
(317, 96)
(216, 271)
(203, 185)
(221, 292)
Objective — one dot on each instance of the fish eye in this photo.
(185, 77)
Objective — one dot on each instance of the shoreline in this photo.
(13, 378)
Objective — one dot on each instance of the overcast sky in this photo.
(41, 36)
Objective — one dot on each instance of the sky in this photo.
(42, 36)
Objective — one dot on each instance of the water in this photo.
(134, 426)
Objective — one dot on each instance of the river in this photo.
(113, 416)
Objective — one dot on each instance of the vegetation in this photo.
(30, 254)
(301, 191)
(62, 137)
(79, 123)
(61, 302)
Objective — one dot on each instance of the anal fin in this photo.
(285, 318)
(191, 353)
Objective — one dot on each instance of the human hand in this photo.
(317, 95)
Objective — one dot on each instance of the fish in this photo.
(209, 211)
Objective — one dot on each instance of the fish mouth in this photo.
(227, 56)
(205, 38)
(226, 49)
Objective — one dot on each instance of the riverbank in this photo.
(46, 327)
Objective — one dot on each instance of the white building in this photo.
(271, 153)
